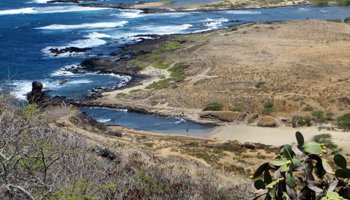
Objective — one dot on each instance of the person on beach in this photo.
(37, 95)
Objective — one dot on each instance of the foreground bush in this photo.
(343, 2)
(38, 161)
(347, 20)
(344, 121)
(303, 171)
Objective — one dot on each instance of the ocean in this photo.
(28, 29)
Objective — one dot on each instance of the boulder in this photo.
(225, 116)
(267, 121)
(109, 66)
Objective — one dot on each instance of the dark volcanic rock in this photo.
(106, 153)
(57, 51)
(109, 66)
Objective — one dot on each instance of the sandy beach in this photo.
(276, 136)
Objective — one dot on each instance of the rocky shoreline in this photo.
(166, 7)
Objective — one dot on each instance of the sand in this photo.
(276, 136)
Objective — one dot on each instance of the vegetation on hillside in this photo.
(344, 121)
(39, 161)
(213, 106)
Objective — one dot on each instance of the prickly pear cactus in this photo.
(303, 171)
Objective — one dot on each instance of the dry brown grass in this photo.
(295, 64)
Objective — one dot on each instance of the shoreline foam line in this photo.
(50, 9)
(99, 25)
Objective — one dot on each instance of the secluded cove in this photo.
(147, 122)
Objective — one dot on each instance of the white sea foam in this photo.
(215, 23)
(180, 121)
(17, 11)
(243, 12)
(78, 82)
(87, 43)
(303, 9)
(102, 120)
(129, 14)
(139, 13)
(63, 71)
(164, 30)
(49, 9)
(40, 1)
(99, 25)
(93, 39)
(107, 108)
(22, 87)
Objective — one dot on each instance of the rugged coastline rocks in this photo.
(58, 51)
(225, 116)
(108, 66)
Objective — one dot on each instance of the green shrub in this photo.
(320, 2)
(319, 115)
(335, 20)
(213, 106)
(347, 20)
(165, 83)
(138, 63)
(268, 107)
(344, 121)
(303, 171)
(343, 2)
(178, 71)
(160, 65)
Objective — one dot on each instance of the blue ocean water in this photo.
(153, 123)
(28, 29)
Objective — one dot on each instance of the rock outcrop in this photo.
(267, 121)
(109, 66)
(225, 116)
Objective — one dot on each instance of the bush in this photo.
(161, 84)
(268, 107)
(178, 71)
(303, 171)
(319, 115)
(344, 121)
(343, 2)
(320, 2)
(335, 20)
(300, 121)
(213, 106)
(347, 20)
